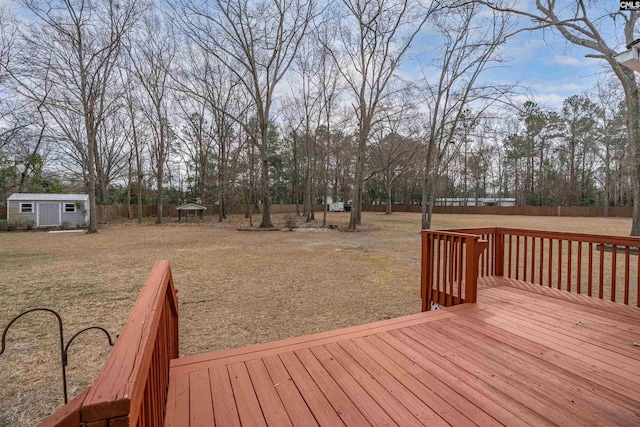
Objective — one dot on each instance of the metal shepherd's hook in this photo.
(63, 348)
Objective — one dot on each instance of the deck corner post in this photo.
(425, 274)
(475, 247)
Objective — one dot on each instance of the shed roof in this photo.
(191, 207)
(47, 197)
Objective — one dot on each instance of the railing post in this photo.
(426, 273)
(499, 259)
(474, 249)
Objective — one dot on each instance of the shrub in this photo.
(65, 226)
(12, 226)
(4, 225)
(290, 222)
(26, 224)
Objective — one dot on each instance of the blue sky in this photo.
(550, 68)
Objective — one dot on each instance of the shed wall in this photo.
(75, 218)
(14, 215)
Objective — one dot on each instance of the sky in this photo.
(549, 68)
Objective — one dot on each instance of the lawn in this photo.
(235, 288)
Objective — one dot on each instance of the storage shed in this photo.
(48, 210)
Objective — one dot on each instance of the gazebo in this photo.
(190, 207)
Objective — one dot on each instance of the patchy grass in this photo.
(235, 288)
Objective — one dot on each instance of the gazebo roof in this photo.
(191, 207)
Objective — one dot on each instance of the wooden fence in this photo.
(114, 212)
(131, 389)
(570, 211)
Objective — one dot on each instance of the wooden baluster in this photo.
(489, 258)
(614, 268)
(460, 254)
(486, 257)
(590, 278)
(517, 257)
(524, 259)
(626, 275)
(541, 261)
(550, 261)
(569, 269)
(499, 259)
(509, 274)
(533, 260)
(579, 282)
(559, 264)
(601, 282)
(438, 278)
(449, 295)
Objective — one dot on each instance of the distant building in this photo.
(472, 201)
(48, 210)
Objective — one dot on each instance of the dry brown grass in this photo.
(236, 288)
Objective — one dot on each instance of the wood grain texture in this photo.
(522, 355)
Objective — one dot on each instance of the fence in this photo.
(568, 211)
(114, 212)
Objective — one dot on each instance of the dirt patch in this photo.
(235, 288)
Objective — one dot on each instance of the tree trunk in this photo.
(266, 198)
(91, 174)
(307, 179)
(129, 176)
(388, 191)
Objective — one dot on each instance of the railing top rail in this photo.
(473, 230)
(582, 237)
(560, 235)
(454, 233)
(120, 385)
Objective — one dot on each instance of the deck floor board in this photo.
(523, 355)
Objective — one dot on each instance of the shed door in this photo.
(48, 214)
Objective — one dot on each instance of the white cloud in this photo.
(571, 61)
(548, 100)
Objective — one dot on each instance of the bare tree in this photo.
(257, 42)
(152, 52)
(373, 41)
(136, 146)
(390, 156)
(330, 88)
(469, 45)
(75, 45)
(581, 25)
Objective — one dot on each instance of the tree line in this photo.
(237, 102)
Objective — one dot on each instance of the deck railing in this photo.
(599, 266)
(450, 265)
(131, 389)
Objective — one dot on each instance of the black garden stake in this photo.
(63, 348)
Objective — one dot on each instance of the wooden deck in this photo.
(522, 355)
